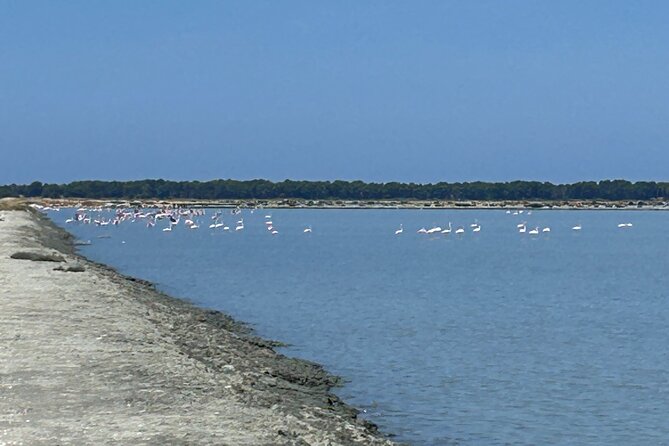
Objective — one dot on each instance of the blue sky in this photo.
(418, 91)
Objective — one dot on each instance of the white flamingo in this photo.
(578, 227)
(400, 230)
(534, 231)
(433, 230)
(460, 230)
(447, 230)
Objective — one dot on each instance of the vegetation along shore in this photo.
(333, 191)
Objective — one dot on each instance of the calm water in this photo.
(482, 339)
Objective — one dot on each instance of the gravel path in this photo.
(94, 357)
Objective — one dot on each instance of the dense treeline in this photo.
(344, 190)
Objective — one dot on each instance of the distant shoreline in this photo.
(628, 205)
(339, 190)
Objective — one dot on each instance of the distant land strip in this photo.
(609, 190)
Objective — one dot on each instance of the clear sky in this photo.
(418, 91)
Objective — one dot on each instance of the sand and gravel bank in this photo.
(88, 356)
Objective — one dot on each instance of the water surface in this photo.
(480, 339)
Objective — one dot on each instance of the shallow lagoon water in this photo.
(485, 338)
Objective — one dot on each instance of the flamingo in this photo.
(422, 231)
(307, 230)
(476, 229)
(400, 230)
(577, 227)
(534, 231)
(546, 229)
(216, 224)
(460, 230)
(522, 229)
(447, 230)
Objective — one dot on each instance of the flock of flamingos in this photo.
(171, 218)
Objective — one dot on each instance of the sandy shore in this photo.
(652, 205)
(94, 357)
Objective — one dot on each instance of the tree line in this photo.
(615, 190)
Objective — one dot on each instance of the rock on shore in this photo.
(99, 358)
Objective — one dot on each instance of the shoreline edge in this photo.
(145, 367)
